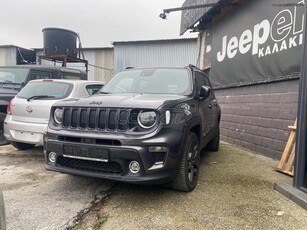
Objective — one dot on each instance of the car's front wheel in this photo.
(187, 175)
(22, 146)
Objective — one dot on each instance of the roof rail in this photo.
(193, 66)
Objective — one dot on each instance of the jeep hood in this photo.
(146, 101)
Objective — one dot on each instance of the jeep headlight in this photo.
(147, 119)
(58, 115)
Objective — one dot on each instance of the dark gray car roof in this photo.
(39, 67)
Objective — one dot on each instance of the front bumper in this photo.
(112, 161)
(31, 133)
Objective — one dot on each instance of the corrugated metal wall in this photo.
(2, 56)
(174, 53)
(100, 64)
(7, 56)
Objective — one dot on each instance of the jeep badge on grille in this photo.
(96, 103)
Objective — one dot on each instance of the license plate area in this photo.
(86, 153)
(27, 136)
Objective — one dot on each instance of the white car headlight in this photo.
(58, 115)
(147, 119)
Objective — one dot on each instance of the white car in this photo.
(28, 112)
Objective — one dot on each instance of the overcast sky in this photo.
(99, 22)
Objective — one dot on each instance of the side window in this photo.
(40, 75)
(207, 82)
(92, 89)
(201, 80)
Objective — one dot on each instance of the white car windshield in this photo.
(46, 90)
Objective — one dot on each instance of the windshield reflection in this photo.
(13, 75)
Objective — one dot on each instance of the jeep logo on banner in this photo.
(257, 42)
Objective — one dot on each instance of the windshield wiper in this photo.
(39, 97)
(101, 92)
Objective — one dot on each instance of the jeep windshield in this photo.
(13, 75)
(153, 80)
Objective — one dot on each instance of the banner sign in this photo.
(258, 41)
(191, 16)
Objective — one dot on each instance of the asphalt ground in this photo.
(235, 191)
(39, 199)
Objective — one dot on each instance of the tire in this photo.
(22, 146)
(3, 141)
(214, 144)
(188, 171)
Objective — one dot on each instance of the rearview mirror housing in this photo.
(204, 92)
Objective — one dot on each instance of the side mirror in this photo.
(204, 92)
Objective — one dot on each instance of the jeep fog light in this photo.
(52, 157)
(134, 167)
(155, 149)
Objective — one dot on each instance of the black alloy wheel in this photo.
(187, 175)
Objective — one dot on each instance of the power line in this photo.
(100, 67)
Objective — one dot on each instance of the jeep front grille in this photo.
(96, 119)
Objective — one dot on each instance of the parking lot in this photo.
(235, 191)
(38, 199)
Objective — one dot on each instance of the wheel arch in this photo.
(196, 129)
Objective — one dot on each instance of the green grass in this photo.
(100, 222)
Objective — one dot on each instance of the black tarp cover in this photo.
(259, 41)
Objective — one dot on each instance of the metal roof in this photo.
(156, 41)
(13, 46)
(83, 48)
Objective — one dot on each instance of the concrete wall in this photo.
(257, 117)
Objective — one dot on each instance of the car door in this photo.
(213, 107)
(204, 104)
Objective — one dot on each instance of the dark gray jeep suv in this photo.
(146, 125)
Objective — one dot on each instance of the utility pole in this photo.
(300, 166)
